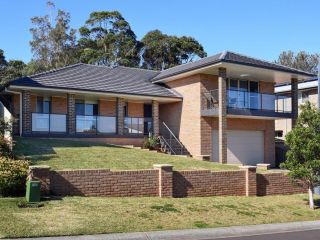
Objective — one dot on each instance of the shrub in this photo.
(5, 140)
(151, 143)
(5, 148)
(13, 175)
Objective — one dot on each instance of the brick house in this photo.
(221, 108)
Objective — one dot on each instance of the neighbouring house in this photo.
(307, 91)
(220, 108)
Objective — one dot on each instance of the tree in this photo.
(3, 61)
(303, 157)
(10, 70)
(302, 60)
(107, 39)
(15, 69)
(53, 42)
(162, 51)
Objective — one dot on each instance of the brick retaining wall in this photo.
(207, 183)
(162, 181)
(276, 184)
(105, 183)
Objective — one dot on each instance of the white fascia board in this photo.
(303, 85)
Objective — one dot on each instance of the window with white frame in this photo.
(303, 96)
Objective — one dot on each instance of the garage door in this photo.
(244, 147)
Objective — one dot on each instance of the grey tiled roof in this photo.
(227, 57)
(98, 78)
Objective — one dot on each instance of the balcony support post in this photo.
(26, 113)
(120, 115)
(222, 86)
(294, 100)
(71, 114)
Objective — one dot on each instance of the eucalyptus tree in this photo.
(162, 51)
(302, 60)
(53, 42)
(107, 39)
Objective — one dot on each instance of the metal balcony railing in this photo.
(95, 124)
(49, 122)
(238, 99)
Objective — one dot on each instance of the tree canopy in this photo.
(107, 39)
(10, 69)
(53, 42)
(302, 60)
(303, 157)
(161, 51)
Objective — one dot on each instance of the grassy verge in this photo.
(63, 154)
(94, 215)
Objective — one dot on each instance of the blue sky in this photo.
(253, 27)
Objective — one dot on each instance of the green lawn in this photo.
(63, 154)
(94, 215)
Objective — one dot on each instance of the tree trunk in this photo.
(311, 201)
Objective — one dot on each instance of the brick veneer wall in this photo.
(275, 184)
(59, 105)
(107, 108)
(135, 109)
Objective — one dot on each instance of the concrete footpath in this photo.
(201, 234)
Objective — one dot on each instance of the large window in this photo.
(243, 94)
(86, 108)
(43, 105)
(87, 120)
(303, 97)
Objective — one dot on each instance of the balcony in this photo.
(95, 124)
(250, 104)
(49, 123)
(137, 126)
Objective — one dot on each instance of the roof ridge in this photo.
(192, 62)
(55, 70)
(223, 54)
(262, 60)
(143, 69)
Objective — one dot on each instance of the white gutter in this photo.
(20, 110)
(133, 96)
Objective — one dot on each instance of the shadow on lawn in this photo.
(41, 149)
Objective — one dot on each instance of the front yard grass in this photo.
(64, 154)
(95, 215)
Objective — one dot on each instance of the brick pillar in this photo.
(222, 115)
(165, 179)
(155, 118)
(294, 100)
(26, 113)
(42, 174)
(71, 114)
(120, 115)
(251, 180)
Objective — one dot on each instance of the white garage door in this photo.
(244, 147)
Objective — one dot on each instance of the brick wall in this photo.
(135, 109)
(162, 181)
(59, 105)
(107, 108)
(204, 183)
(104, 183)
(275, 184)
(184, 117)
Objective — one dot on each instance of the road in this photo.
(301, 235)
